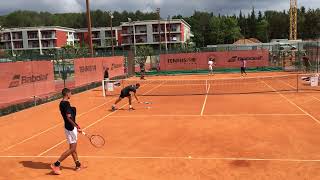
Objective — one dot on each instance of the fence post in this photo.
(317, 57)
(297, 82)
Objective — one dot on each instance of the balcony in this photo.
(18, 46)
(48, 36)
(108, 33)
(33, 45)
(33, 37)
(95, 35)
(142, 41)
(5, 37)
(127, 33)
(141, 32)
(7, 45)
(16, 36)
(127, 42)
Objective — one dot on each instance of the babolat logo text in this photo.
(27, 79)
(252, 58)
(116, 66)
(32, 79)
(15, 81)
(183, 60)
(88, 68)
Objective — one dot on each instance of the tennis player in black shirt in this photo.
(142, 71)
(126, 92)
(71, 130)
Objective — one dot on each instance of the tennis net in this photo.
(244, 85)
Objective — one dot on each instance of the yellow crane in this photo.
(293, 19)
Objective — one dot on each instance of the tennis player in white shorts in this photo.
(210, 63)
(71, 129)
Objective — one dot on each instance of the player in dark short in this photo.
(71, 129)
(142, 71)
(126, 92)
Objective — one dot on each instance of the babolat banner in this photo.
(89, 70)
(199, 61)
(22, 80)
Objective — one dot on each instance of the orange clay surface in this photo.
(269, 136)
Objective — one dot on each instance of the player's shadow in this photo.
(40, 165)
(121, 109)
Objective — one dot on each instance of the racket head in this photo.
(97, 141)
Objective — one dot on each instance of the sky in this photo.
(168, 7)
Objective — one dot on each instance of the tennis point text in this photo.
(91, 68)
(183, 60)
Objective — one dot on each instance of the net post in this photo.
(103, 88)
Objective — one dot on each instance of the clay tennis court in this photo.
(272, 135)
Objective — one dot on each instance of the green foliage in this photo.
(142, 54)
(224, 30)
(74, 20)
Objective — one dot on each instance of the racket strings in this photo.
(97, 140)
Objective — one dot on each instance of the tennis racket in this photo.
(96, 140)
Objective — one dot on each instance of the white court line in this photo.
(213, 115)
(53, 127)
(295, 88)
(97, 121)
(314, 97)
(205, 101)
(291, 102)
(179, 157)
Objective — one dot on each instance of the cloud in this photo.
(57, 6)
(168, 7)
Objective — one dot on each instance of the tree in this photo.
(252, 24)
(278, 24)
(262, 30)
(224, 30)
(143, 52)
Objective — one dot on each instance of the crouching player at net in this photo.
(71, 130)
(125, 92)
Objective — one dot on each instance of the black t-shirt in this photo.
(128, 89)
(106, 74)
(142, 68)
(66, 109)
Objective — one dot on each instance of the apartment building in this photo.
(37, 38)
(101, 37)
(175, 31)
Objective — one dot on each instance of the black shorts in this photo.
(124, 94)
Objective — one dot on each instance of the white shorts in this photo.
(72, 136)
(210, 68)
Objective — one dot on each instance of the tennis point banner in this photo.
(23, 80)
(88, 70)
(197, 61)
